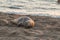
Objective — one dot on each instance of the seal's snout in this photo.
(30, 23)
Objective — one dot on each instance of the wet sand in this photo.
(46, 28)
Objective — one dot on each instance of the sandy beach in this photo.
(46, 28)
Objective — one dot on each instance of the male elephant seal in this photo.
(25, 21)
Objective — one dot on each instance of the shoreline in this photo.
(46, 15)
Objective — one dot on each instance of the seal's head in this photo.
(29, 23)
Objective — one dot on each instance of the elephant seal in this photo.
(24, 21)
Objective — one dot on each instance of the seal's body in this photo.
(24, 21)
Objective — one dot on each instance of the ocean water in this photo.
(31, 7)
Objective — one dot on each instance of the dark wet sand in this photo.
(46, 28)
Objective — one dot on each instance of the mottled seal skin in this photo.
(24, 21)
